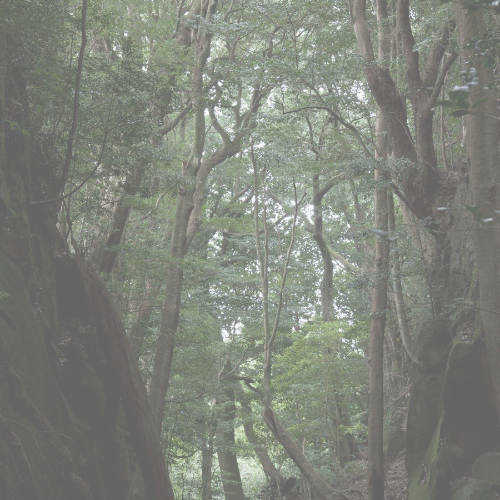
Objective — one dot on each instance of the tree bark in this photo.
(376, 476)
(483, 139)
(138, 331)
(327, 278)
(171, 308)
(226, 445)
(274, 477)
(399, 302)
(376, 350)
(107, 254)
(132, 390)
(207, 452)
(50, 299)
(190, 201)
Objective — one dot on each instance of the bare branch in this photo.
(180, 116)
(76, 101)
(436, 55)
(406, 34)
(442, 77)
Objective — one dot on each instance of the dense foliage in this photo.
(293, 208)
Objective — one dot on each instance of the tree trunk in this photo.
(133, 393)
(376, 351)
(226, 445)
(107, 254)
(444, 436)
(483, 139)
(138, 331)
(207, 453)
(274, 477)
(171, 308)
(327, 278)
(321, 488)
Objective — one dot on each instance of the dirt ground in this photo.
(355, 482)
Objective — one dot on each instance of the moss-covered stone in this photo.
(475, 489)
(465, 429)
(487, 467)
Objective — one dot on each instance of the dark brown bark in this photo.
(226, 444)
(107, 255)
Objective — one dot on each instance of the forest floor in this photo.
(355, 482)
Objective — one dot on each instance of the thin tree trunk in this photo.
(399, 303)
(273, 475)
(376, 476)
(378, 311)
(190, 201)
(109, 252)
(327, 278)
(171, 308)
(322, 489)
(138, 331)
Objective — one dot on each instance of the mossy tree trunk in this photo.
(71, 396)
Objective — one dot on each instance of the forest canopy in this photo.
(249, 250)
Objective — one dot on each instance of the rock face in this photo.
(484, 480)
(487, 468)
(466, 432)
(475, 489)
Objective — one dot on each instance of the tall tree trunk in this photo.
(107, 254)
(376, 476)
(190, 201)
(397, 288)
(207, 453)
(60, 388)
(138, 412)
(320, 486)
(327, 278)
(483, 139)
(226, 444)
(171, 307)
(437, 413)
(376, 352)
(137, 332)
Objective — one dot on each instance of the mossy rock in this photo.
(475, 489)
(487, 468)
(430, 480)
